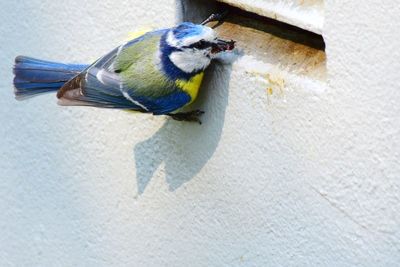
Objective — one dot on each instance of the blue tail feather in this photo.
(35, 76)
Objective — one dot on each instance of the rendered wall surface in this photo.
(310, 181)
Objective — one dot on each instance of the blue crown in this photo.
(187, 29)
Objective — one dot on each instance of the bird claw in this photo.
(192, 116)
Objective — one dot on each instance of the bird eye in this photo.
(201, 44)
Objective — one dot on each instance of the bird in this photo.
(159, 72)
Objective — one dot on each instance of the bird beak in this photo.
(222, 45)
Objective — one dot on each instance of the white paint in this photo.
(305, 14)
(310, 181)
(260, 71)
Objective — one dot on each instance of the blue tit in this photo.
(159, 72)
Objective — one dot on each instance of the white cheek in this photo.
(189, 61)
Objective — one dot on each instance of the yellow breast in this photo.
(191, 86)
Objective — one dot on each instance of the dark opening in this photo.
(293, 49)
(273, 27)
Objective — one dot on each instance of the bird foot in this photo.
(192, 116)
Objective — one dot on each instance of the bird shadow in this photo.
(184, 148)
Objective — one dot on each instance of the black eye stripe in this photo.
(199, 45)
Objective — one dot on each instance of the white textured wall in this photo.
(313, 181)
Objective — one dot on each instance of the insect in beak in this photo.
(222, 45)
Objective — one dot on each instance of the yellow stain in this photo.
(275, 83)
(192, 86)
(275, 80)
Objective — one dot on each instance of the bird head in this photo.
(194, 46)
